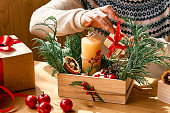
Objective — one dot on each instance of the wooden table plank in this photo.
(139, 102)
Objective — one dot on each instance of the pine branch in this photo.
(142, 51)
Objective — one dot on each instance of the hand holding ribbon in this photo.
(117, 38)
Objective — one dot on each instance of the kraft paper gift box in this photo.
(16, 66)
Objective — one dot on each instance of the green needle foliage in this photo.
(142, 51)
(51, 49)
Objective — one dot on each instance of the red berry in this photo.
(91, 58)
(44, 98)
(44, 107)
(89, 61)
(66, 105)
(98, 52)
(105, 76)
(97, 75)
(105, 73)
(96, 61)
(98, 58)
(93, 93)
(92, 88)
(84, 84)
(31, 101)
(102, 72)
(112, 76)
(84, 88)
(87, 93)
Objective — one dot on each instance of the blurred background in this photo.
(15, 18)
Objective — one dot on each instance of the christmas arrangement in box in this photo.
(16, 64)
(84, 73)
(164, 87)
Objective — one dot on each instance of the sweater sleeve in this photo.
(67, 13)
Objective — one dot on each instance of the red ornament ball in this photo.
(44, 98)
(44, 107)
(112, 76)
(31, 101)
(66, 105)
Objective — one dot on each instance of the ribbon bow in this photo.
(6, 42)
(117, 38)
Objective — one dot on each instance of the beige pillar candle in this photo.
(90, 45)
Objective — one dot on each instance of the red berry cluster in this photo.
(43, 101)
(105, 73)
(96, 58)
(90, 90)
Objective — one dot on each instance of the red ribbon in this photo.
(117, 38)
(12, 95)
(6, 43)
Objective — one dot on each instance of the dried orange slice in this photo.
(71, 65)
(166, 77)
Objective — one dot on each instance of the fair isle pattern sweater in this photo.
(155, 13)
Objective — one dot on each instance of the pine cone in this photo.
(113, 68)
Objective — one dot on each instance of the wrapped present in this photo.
(112, 41)
(16, 64)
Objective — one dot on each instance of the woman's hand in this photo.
(99, 17)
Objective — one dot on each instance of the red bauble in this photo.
(31, 101)
(112, 76)
(43, 98)
(44, 107)
(66, 105)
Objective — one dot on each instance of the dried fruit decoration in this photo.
(166, 77)
(71, 65)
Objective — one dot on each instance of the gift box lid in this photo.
(19, 49)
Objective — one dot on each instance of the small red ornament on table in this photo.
(44, 98)
(31, 101)
(66, 105)
(44, 107)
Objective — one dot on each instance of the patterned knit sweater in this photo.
(155, 13)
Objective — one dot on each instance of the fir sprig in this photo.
(90, 89)
(142, 51)
(51, 49)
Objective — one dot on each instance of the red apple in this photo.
(31, 101)
(44, 98)
(66, 105)
(44, 107)
(112, 76)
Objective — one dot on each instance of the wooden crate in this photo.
(110, 90)
(163, 92)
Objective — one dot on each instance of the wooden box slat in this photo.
(163, 92)
(111, 90)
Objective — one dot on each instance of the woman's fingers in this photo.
(99, 18)
(99, 22)
(108, 9)
(106, 19)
